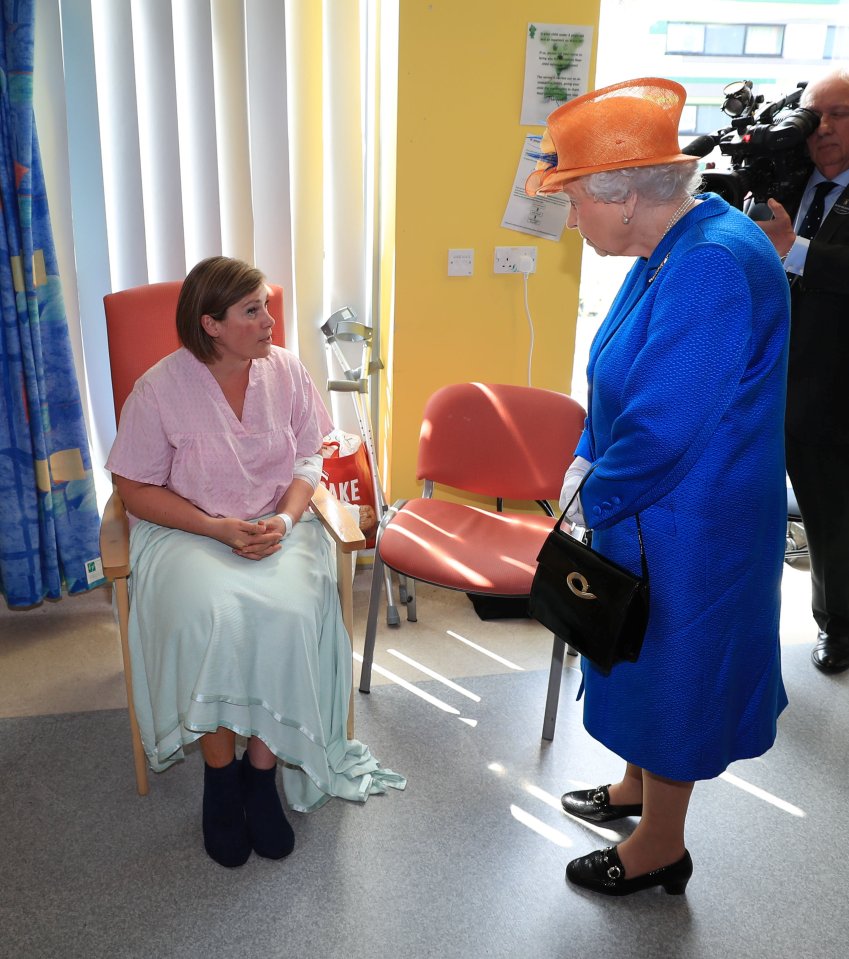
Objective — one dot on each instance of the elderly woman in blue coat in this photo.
(686, 383)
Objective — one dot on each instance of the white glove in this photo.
(571, 481)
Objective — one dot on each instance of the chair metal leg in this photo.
(411, 601)
(553, 697)
(393, 617)
(377, 572)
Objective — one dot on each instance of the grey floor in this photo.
(468, 861)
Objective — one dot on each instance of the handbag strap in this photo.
(584, 478)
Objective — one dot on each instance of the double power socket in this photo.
(515, 259)
(508, 259)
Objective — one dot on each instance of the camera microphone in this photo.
(701, 146)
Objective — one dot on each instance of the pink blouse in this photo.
(177, 430)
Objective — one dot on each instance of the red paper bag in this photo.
(348, 477)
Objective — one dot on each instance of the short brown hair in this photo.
(212, 287)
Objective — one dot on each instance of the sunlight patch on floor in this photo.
(445, 707)
(434, 675)
(762, 794)
(542, 795)
(539, 827)
(485, 652)
(427, 697)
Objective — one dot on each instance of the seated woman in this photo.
(235, 624)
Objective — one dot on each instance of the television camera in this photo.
(766, 148)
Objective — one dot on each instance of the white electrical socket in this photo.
(461, 262)
(510, 259)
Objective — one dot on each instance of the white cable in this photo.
(531, 325)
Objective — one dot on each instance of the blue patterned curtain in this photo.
(48, 512)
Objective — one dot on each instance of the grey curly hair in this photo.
(655, 184)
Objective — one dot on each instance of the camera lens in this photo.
(738, 97)
(792, 130)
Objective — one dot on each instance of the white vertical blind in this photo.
(154, 57)
(53, 143)
(197, 134)
(268, 112)
(304, 67)
(90, 263)
(122, 175)
(345, 279)
(178, 129)
(231, 115)
(343, 138)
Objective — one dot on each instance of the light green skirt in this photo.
(258, 647)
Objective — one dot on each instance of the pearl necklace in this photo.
(676, 216)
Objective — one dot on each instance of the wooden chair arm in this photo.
(348, 537)
(337, 521)
(115, 539)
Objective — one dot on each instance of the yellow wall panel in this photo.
(459, 139)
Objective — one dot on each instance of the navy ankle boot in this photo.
(225, 835)
(270, 833)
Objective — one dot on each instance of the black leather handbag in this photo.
(598, 607)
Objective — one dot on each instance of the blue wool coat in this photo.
(686, 410)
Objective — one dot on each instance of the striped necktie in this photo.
(813, 217)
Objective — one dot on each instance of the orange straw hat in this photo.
(629, 124)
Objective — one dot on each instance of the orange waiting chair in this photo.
(141, 329)
(503, 442)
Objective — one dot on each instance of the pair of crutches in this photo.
(342, 326)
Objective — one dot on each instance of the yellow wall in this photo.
(459, 140)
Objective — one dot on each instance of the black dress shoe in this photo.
(594, 805)
(602, 871)
(831, 653)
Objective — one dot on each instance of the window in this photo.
(701, 118)
(685, 38)
(836, 43)
(764, 40)
(725, 39)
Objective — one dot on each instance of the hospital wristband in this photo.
(287, 522)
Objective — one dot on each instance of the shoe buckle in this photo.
(598, 798)
(612, 872)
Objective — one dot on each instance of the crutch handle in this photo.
(347, 386)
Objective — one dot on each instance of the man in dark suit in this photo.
(812, 236)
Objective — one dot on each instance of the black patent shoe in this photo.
(594, 805)
(831, 653)
(602, 871)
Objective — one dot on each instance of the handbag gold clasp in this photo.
(578, 584)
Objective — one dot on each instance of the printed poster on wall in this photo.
(542, 216)
(557, 67)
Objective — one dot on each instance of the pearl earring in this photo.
(626, 219)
